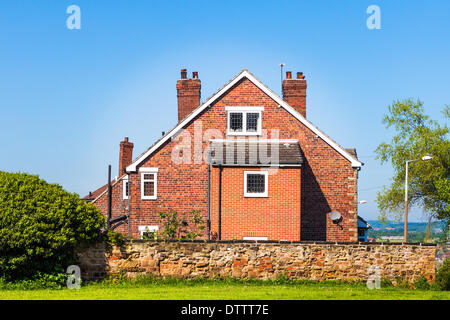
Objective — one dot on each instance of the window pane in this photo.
(252, 122)
(149, 188)
(149, 176)
(236, 121)
(126, 188)
(255, 183)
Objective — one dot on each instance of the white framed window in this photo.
(125, 187)
(244, 121)
(256, 184)
(149, 183)
(147, 230)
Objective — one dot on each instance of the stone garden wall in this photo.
(261, 260)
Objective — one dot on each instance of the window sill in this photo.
(244, 134)
(148, 198)
(256, 196)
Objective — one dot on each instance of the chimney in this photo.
(188, 94)
(294, 92)
(125, 155)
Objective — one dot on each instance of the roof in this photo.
(94, 195)
(243, 74)
(256, 153)
(352, 152)
(367, 225)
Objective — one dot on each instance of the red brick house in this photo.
(248, 159)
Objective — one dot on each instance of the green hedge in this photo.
(40, 226)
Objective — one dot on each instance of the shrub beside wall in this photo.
(40, 226)
(321, 261)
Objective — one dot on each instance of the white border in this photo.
(155, 180)
(143, 229)
(245, 74)
(124, 187)
(266, 182)
(244, 111)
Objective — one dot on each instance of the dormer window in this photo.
(245, 121)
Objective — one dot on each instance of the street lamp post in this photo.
(425, 158)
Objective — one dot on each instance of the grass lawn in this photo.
(209, 289)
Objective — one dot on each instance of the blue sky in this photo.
(68, 97)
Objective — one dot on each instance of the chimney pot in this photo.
(195, 74)
(183, 73)
(300, 75)
(288, 75)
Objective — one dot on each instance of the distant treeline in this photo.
(412, 236)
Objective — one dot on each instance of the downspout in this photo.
(208, 221)
(108, 216)
(220, 201)
(129, 208)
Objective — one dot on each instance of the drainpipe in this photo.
(220, 202)
(208, 221)
(129, 208)
(108, 217)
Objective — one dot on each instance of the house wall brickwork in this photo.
(328, 181)
(304, 261)
(258, 217)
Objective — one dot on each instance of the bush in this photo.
(421, 283)
(40, 226)
(38, 281)
(443, 276)
(112, 237)
(188, 226)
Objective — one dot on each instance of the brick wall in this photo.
(327, 178)
(276, 217)
(248, 259)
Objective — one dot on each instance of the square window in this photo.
(255, 183)
(236, 122)
(252, 122)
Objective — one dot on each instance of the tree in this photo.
(40, 226)
(416, 136)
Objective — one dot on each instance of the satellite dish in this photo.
(336, 217)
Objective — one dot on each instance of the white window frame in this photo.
(155, 172)
(264, 194)
(143, 229)
(244, 111)
(124, 185)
